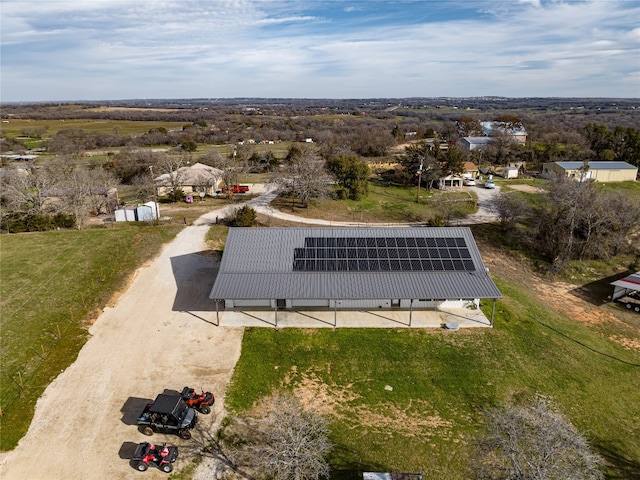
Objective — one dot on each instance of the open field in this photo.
(53, 285)
(385, 203)
(545, 341)
(16, 127)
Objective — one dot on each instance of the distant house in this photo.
(470, 170)
(474, 143)
(99, 200)
(450, 181)
(492, 129)
(596, 171)
(196, 178)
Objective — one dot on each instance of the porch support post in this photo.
(493, 311)
(276, 313)
(410, 311)
(335, 315)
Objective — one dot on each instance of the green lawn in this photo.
(52, 284)
(16, 127)
(385, 203)
(441, 382)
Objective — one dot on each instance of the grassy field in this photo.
(16, 128)
(442, 380)
(385, 203)
(52, 286)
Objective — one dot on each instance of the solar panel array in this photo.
(382, 254)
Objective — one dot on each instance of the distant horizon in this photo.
(248, 98)
(113, 50)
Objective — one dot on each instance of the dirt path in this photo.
(160, 335)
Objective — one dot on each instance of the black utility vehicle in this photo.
(168, 414)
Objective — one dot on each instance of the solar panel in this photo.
(383, 254)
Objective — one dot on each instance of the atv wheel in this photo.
(184, 434)
(142, 466)
(148, 431)
(167, 468)
(205, 409)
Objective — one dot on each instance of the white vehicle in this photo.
(469, 182)
(489, 184)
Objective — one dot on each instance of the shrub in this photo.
(245, 217)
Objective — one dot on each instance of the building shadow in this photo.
(194, 274)
(599, 292)
(623, 467)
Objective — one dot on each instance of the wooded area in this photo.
(55, 175)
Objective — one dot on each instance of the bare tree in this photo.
(305, 177)
(171, 174)
(533, 442)
(287, 443)
(580, 220)
(24, 191)
(232, 166)
(510, 208)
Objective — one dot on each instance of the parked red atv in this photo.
(149, 455)
(200, 401)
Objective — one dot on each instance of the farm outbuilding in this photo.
(474, 143)
(510, 172)
(597, 171)
(351, 268)
(147, 212)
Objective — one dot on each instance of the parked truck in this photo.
(236, 188)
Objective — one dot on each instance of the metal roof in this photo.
(597, 165)
(479, 140)
(258, 263)
(631, 282)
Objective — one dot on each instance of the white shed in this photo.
(510, 172)
(146, 212)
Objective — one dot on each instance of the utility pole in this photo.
(419, 180)
(155, 196)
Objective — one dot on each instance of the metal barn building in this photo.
(351, 268)
(598, 171)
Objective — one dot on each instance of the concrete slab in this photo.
(464, 318)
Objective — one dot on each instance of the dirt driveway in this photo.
(159, 335)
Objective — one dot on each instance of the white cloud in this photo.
(252, 48)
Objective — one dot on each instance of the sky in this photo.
(74, 50)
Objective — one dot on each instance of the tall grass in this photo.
(443, 380)
(52, 284)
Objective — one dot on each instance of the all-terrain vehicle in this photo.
(200, 401)
(168, 414)
(149, 455)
